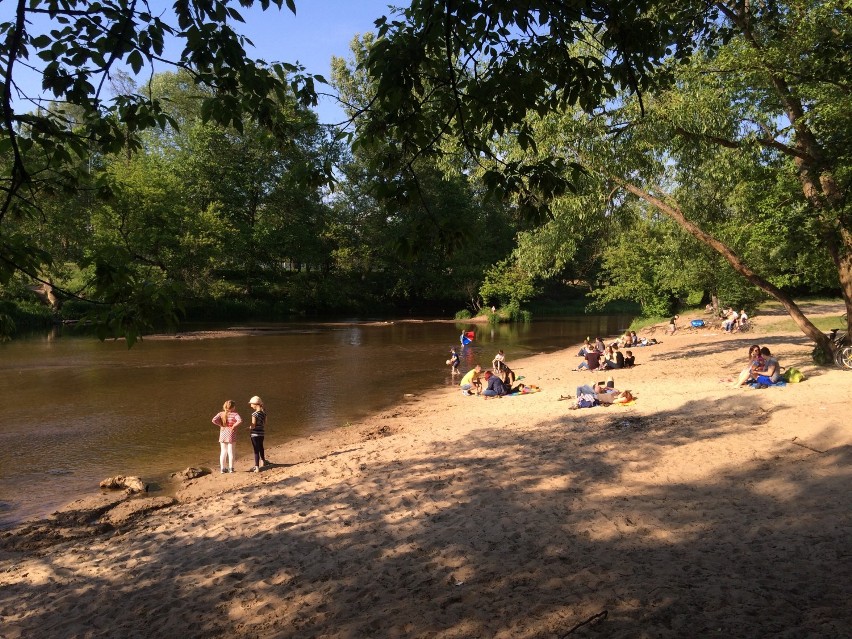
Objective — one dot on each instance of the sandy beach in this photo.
(699, 510)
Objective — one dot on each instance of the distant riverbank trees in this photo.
(643, 151)
(221, 224)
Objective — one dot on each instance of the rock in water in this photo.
(130, 484)
(190, 473)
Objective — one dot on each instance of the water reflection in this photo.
(78, 410)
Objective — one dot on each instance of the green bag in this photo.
(793, 376)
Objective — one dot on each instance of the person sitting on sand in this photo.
(730, 320)
(471, 381)
(614, 358)
(771, 372)
(507, 376)
(600, 347)
(623, 341)
(619, 357)
(498, 362)
(591, 360)
(629, 359)
(609, 356)
(493, 386)
(756, 363)
(585, 348)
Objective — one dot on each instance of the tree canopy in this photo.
(78, 49)
(648, 149)
(665, 85)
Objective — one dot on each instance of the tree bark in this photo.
(815, 173)
(673, 212)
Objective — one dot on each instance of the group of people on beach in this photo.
(494, 383)
(734, 321)
(228, 420)
(599, 357)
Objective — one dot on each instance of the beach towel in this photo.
(779, 383)
(530, 389)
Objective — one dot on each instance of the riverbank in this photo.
(698, 510)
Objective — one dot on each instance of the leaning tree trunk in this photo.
(815, 172)
(806, 326)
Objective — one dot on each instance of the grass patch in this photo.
(825, 324)
(765, 318)
(639, 323)
(811, 307)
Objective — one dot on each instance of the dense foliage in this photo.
(650, 151)
(726, 118)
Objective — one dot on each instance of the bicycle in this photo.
(841, 347)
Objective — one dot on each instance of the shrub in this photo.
(822, 358)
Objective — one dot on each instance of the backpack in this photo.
(793, 376)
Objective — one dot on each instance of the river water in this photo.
(77, 410)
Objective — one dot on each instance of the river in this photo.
(77, 410)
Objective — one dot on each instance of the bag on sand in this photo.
(793, 376)
(586, 400)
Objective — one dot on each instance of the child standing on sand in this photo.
(227, 421)
(257, 430)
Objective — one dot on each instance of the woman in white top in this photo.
(497, 362)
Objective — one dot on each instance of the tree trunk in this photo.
(806, 326)
(815, 173)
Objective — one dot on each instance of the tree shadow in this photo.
(509, 532)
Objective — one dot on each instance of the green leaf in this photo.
(135, 60)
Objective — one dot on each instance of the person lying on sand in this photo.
(589, 395)
(524, 389)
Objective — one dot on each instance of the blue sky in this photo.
(319, 30)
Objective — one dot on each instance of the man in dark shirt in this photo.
(591, 361)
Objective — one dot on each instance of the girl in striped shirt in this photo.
(227, 421)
